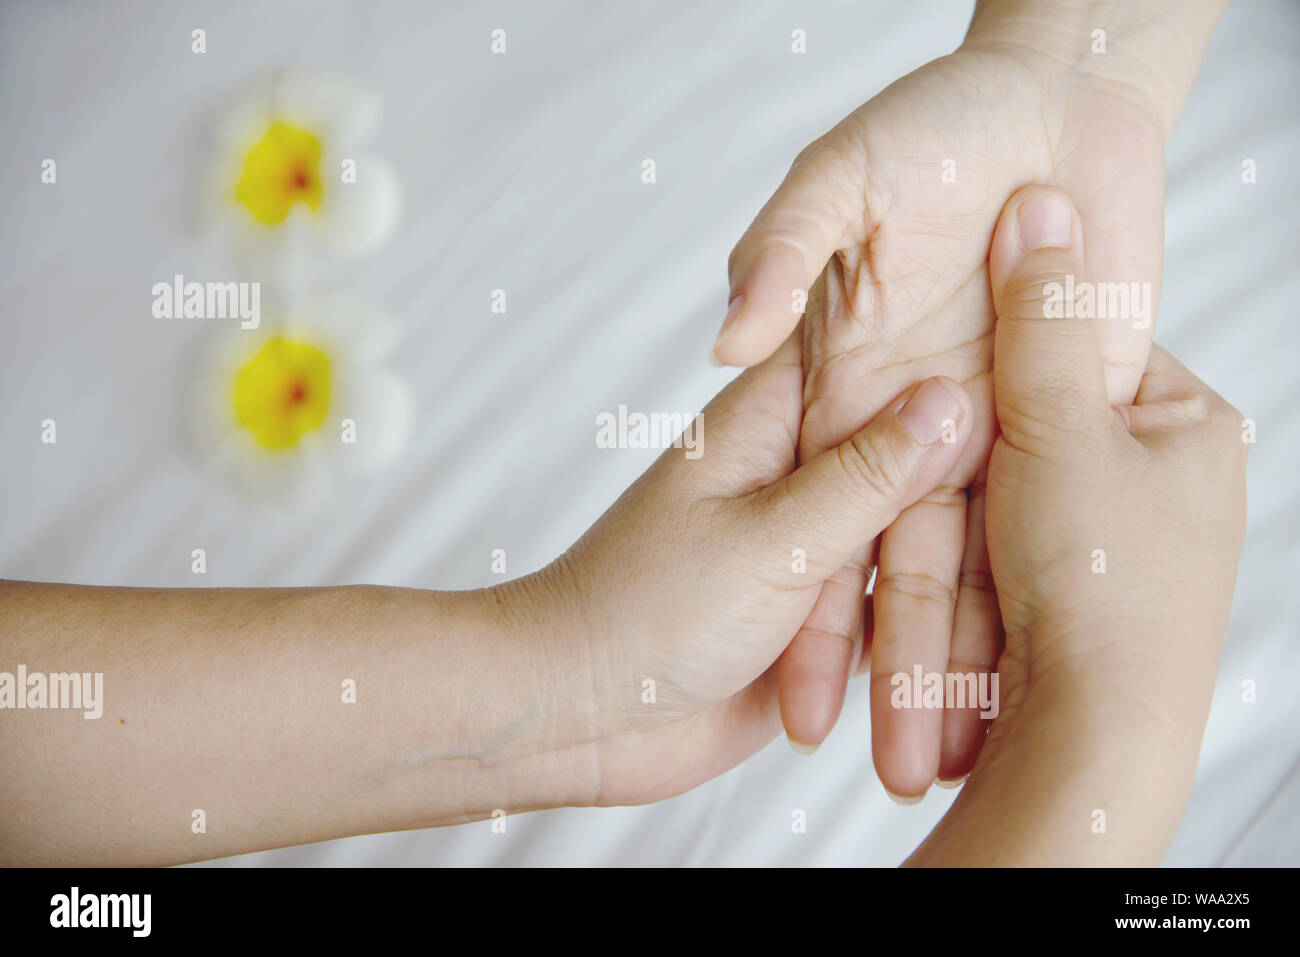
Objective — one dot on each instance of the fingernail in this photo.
(1044, 220)
(933, 409)
(951, 785)
(801, 748)
(899, 799)
(733, 310)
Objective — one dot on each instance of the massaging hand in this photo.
(1114, 536)
(692, 584)
(898, 203)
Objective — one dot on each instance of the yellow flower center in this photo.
(283, 393)
(283, 169)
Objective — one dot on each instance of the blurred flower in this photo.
(284, 410)
(290, 170)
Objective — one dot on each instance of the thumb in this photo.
(1048, 377)
(784, 251)
(846, 496)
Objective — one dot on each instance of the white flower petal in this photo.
(356, 218)
(336, 109)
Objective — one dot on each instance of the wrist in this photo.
(482, 711)
(1147, 52)
(543, 745)
(1076, 772)
(1142, 675)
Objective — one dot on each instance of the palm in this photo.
(906, 297)
(910, 298)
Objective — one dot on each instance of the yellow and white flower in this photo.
(282, 411)
(290, 169)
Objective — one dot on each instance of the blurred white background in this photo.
(522, 172)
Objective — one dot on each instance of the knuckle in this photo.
(1227, 423)
(1057, 415)
(833, 637)
(871, 464)
(976, 585)
(808, 153)
(920, 590)
(1025, 294)
(1222, 413)
(972, 663)
(733, 259)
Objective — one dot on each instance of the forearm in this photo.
(1153, 48)
(283, 715)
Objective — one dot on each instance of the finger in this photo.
(815, 667)
(844, 497)
(1049, 382)
(785, 249)
(976, 645)
(1172, 415)
(749, 431)
(1174, 405)
(1165, 379)
(914, 599)
(1170, 397)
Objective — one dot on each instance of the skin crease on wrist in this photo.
(1163, 42)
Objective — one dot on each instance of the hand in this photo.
(678, 601)
(1114, 536)
(634, 667)
(901, 198)
(1103, 522)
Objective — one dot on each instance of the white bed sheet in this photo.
(521, 172)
